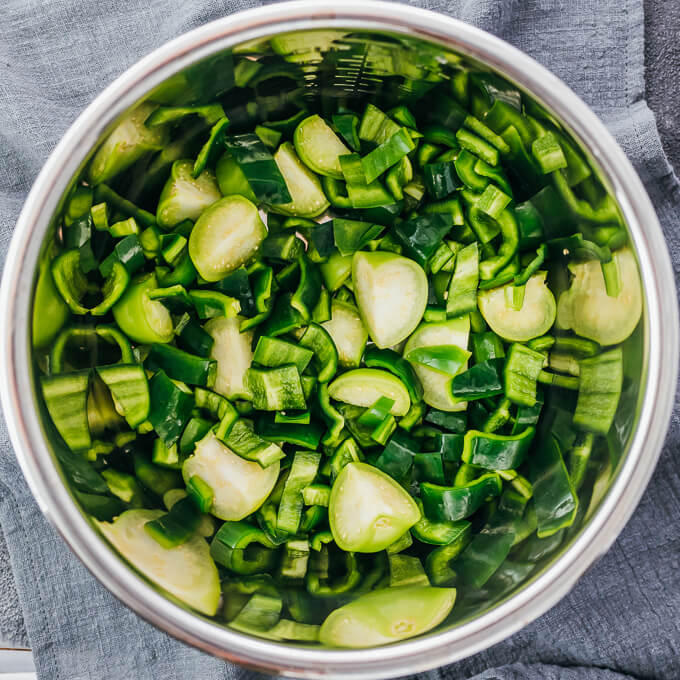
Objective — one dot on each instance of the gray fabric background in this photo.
(662, 74)
(622, 620)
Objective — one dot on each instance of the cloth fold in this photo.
(622, 620)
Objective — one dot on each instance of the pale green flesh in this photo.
(233, 353)
(187, 571)
(185, 198)
(391, 293)
(304, 187)
(240, 486)
(348, 333)
(436, 385)
(590, 312)
(319, 147)
(387, 615)
(140, 318)
(128, 142)
(364, 386)
(368, 510)
(226, 235)
(535, 318)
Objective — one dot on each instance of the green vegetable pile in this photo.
(315, 376)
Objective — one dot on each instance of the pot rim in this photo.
(658, 371)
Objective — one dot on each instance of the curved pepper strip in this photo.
(308, 291)
(283, 318)
(228, 548)
(606, 213)
(320, 539)
(555, 498)
(73, 285)
(533, 266)
(333, 188)
(211, 303)
(183, 273)
(85, 334)
(521, 278)
(496, 451)
(349, 580)
(498, 417)
(306, 436)
(320, 342)
(261, 282)
(438, 533)
(579, 455)
(398, 177)
(438, 562)
(394, 363)
(451, 503)
(333, 419)
(510, 235)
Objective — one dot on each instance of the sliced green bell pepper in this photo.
(451, 503)
(479, 381)
(276, 389)
(421, 236)
(555, 498)
(497, 451)
(170, 409)
(74, 286)
(599, 391)
(259, 168)
(180, 365)
(66, 401)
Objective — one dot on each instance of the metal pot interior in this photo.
(267, 80)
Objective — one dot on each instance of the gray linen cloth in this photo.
(622, 620)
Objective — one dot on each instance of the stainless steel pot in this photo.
(656, 370)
